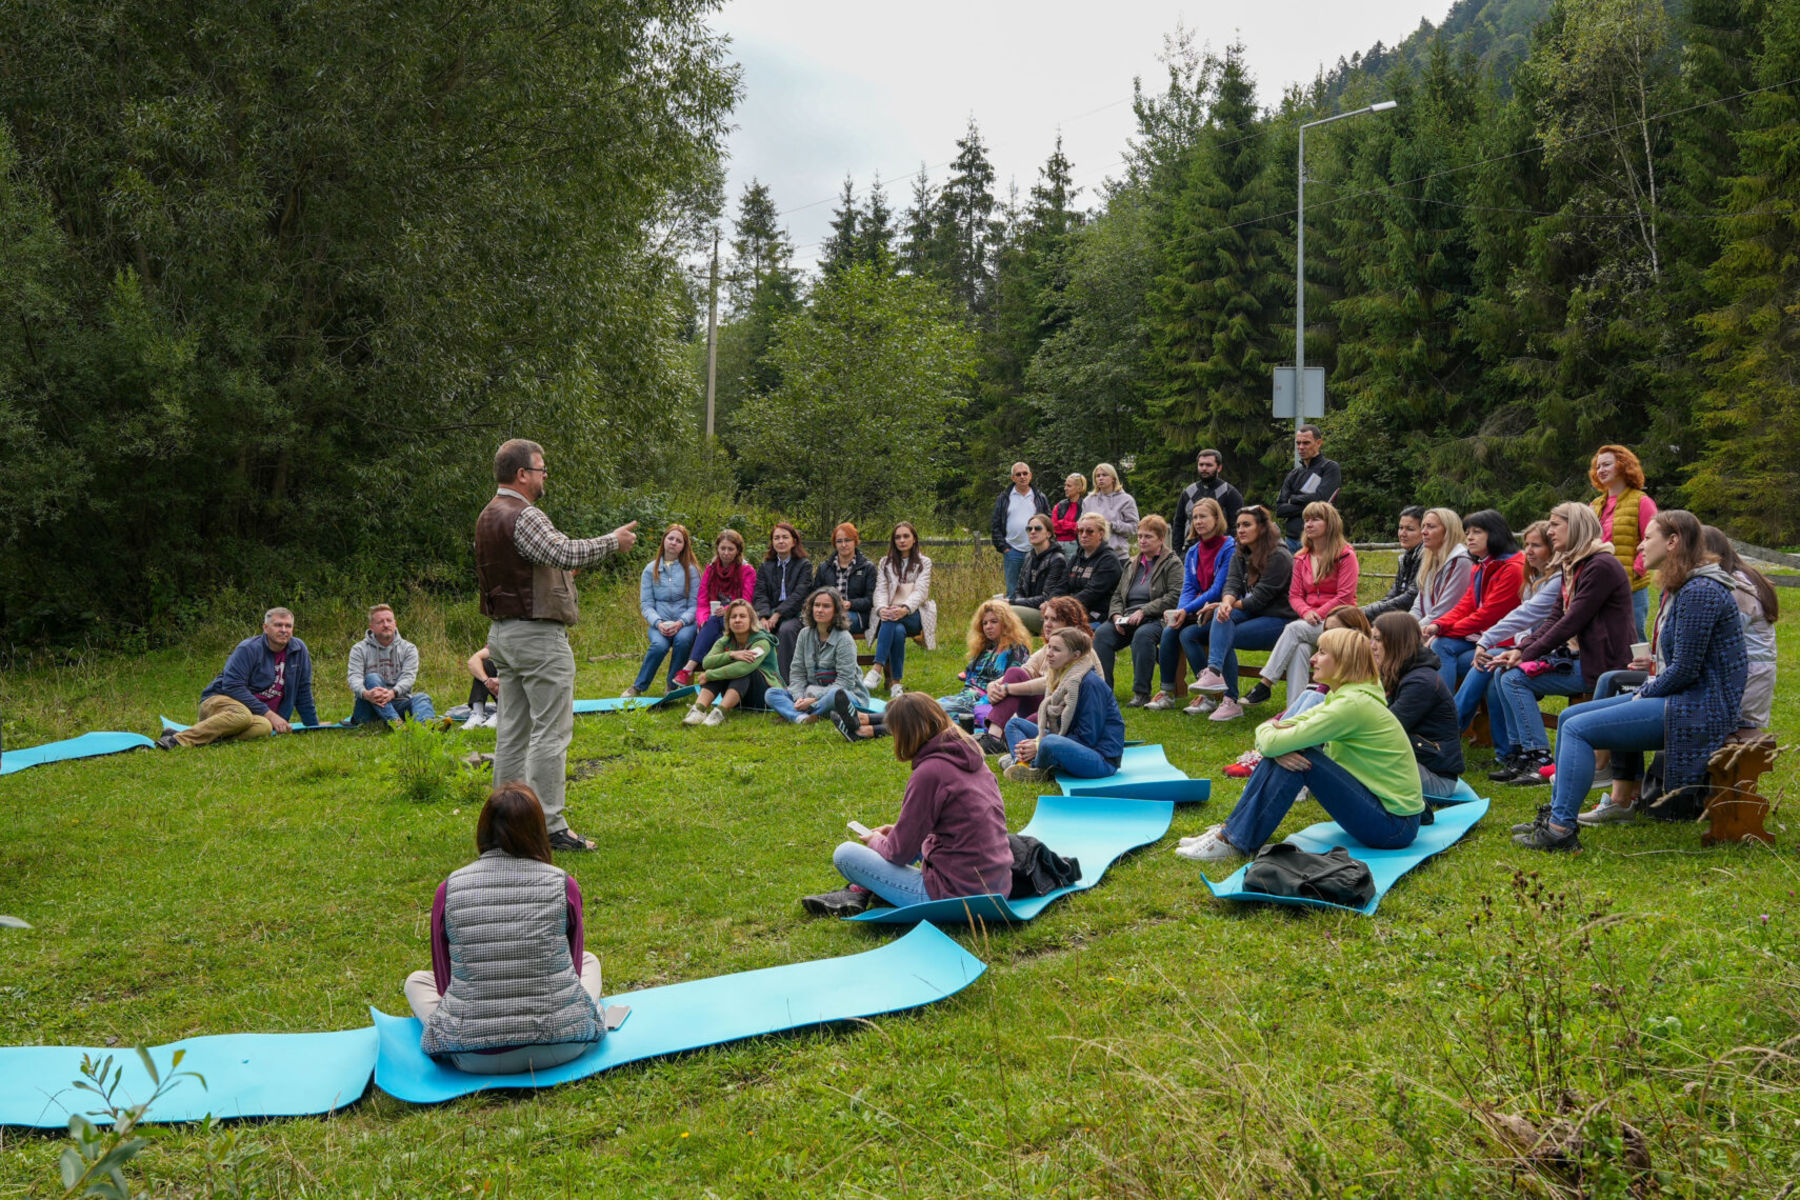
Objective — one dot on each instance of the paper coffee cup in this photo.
(1640, 649)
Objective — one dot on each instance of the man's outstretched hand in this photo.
(626, 538)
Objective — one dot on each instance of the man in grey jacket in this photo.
(383, 668)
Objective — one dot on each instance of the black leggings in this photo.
(478, 693)
(750, 688)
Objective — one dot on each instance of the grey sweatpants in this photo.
(537, 709)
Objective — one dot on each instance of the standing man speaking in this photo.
(524, 569)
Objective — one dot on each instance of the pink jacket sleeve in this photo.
(703, 604)
(1646, 514)
(1348, 571)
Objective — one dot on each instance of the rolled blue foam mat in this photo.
(920, 968)
(247, 1075)
(1386, 866)
(88, 745)
(1144, 774)
(1093, 829)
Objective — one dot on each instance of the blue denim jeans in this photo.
(1520, 694)
(890, 644)
(1189, 640)
(858, 626)
(1012, 562)
(1626, 725)
(1455, 657)
(782, 701)
(1272, 789)
(708, 632)
(1640, 610)
(1477, 686)
(679, 649)
(418, 704)
(899, 886)
(1251, 633)
(1058, 753)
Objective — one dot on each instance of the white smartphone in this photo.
(858, 828)
(615, 1015)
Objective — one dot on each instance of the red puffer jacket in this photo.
(1494, 588)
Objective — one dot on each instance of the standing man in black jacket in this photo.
(1316, 478)
(1208, 464)
(1013, 510)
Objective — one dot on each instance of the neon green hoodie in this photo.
(1360, 735)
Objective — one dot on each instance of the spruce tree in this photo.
(918, 240)
(842, 246)
(875, 231)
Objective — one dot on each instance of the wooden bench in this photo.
(1481, 733)
(1734, 808)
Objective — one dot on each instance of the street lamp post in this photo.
(1300, 264)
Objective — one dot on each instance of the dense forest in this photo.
(1578, 226)
(273, 282)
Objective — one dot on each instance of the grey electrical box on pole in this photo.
(1284, 394)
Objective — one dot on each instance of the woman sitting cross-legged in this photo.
(1079, 730)
(1149, 587)
(726, 578)
(739, 670)
(952, 822)
(511, 988)
(1495, 584)
(997, 643)
(1042, 574)
(669, 596)
(1417, 697)
(850, 572)
(1344, 616)
(1592, 609)
(1254, 610)
(903, 607)
(1687, 709)
(1324, 578)
(1349, 751)
(1210, 548)
(824, 664)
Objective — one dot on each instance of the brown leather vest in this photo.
(511, 587)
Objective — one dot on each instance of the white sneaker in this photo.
(1006, 760)
(1199, 837)
(895, 692)
(1159, 702)
(477, 717)
(1606, 813)
(630, 693)
(872, 677)
(1212, 847)
(715, 717)
(1201, 706)
(493, 717)
(694, 716)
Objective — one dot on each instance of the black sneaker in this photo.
(1543, 814)
(1542, 837)
(844, 725)
(1504, 768)
(1259, 694)
(167, 740)
(990, 744)
(845, 902)
(844, 706)
(1528, 773)
(568, 839)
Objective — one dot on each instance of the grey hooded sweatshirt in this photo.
(397, 663)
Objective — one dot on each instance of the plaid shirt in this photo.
(538, 541)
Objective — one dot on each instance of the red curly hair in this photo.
(1630, 469)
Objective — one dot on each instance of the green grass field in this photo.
(1139, 1039)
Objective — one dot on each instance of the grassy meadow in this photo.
(1138, 1039)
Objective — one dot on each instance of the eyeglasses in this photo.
(1021, 474)
(544, 471)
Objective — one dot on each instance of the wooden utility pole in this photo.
(712, 345)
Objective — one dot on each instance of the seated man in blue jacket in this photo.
(266, 678)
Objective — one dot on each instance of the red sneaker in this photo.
(683, 677)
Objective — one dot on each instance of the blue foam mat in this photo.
(1462, 795)
(1386, 866)
(920, 968)
(1144, 773)
(1094, 829)
(88, 745)
(297, 727)
(247, 1075)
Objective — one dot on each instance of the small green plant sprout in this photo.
(95, 1164)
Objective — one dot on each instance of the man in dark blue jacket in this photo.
(1013, 510)
(265, 680)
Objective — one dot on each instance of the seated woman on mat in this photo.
(511, 988)
(1537, 595)
(903, 607)
(1253, 610)
(1344, 616)
(824, 666)
(997, 643)
(1079, 730)
(1210, 546)
(952, 822)
(1042, 574)
(1324, 578)
(668, 596)
(726, 578)
(1417, 697)
(1687, 709)
(850, 572)
(1349, 751)
(1494, 587)
(1149, 587)
(739, 670)
(1018, 692)
(484, 693)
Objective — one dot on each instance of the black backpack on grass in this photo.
(1284, 869)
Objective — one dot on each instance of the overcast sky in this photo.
(862, 88)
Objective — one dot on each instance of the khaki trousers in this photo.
(422, 995)
(223, 719)
(1031, 618)
(537, 709)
